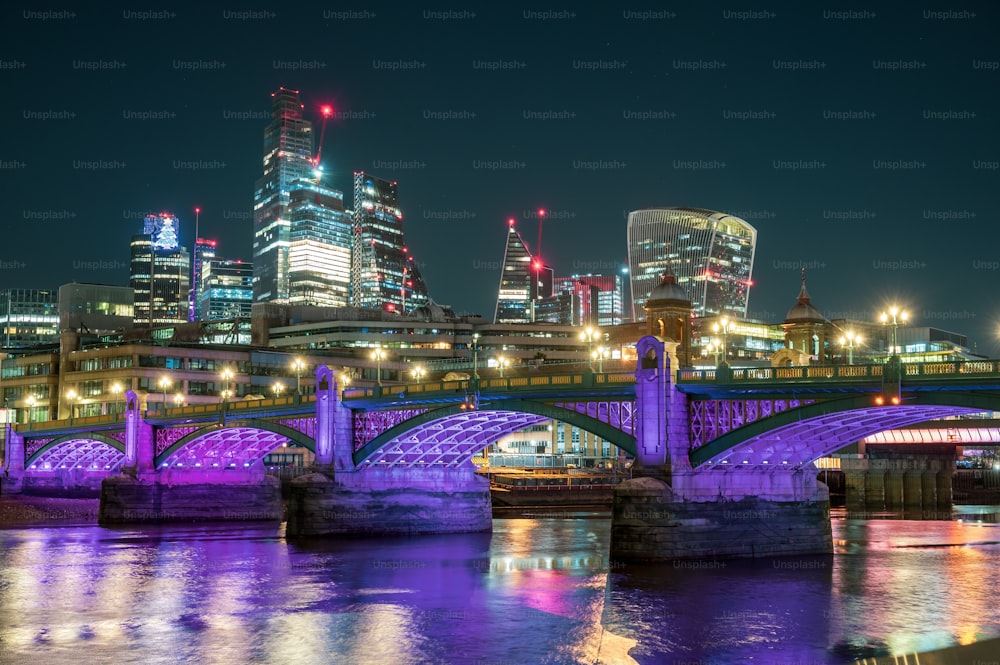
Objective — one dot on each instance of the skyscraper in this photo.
(521, 281)
(227, 290)
(383, 272)
(204, 251)
(288, 156)
(160, 272)
(600, 297)
(710, 253)
(320, 239)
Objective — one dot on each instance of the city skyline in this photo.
(869, 167)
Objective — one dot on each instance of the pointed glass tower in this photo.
(518, 281)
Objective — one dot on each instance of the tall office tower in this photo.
(319, 250)
(227, 289)
(204, 250)
(383, 272)
(710, 253)
(288, 156)
(28, 317)
(600, 297)
(160, 273)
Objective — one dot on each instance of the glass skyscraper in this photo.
(600, 298)
(226, 289)
(319, 251)
(710, 253)
(160, 273)
(204, 251)
(519, 281)
(383, 272)
(28, 317)
(288, 156)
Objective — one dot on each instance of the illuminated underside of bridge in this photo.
(453, 440)
(82, 453)
(224, 448)
(799, 443)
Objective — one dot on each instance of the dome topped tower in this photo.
(805, 328)
(668, 316)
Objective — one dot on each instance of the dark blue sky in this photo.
(861, 142)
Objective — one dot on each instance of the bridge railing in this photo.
(237, 407)
(511, 384)
(935, 370)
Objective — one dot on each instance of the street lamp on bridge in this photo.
(894, 317)
(723, 326)
(589, 335)
(226, 375)
(848, 340)
(298, 365)
(418, 373)
(164, 383)
(475, 356)
(378, 355)
(277, 387)
(30, 401)
(71, 395)
(117, 389)
(178, 400)
(712, 347)
(601, 353)
(502, 363)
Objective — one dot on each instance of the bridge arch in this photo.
(451, 435)
(85, 451)
(797, 437)
(233, 444)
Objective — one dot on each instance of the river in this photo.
(536, 590)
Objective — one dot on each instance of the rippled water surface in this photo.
(533, 591)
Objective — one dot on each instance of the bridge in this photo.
(393, 459)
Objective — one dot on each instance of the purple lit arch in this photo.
(241, 445)
(797, 437)
(92, 451)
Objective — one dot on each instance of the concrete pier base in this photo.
(389, 501)
(651, 523)
(126, 500)
(900, 479)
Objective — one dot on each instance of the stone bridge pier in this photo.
(143, 493)
(343, 498)
(670, 511)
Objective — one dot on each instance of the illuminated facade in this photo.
(288, 154)
(227, 290)
(28, 317)
(600, 298)
(710, 253)
(383, 272)
(319, 253)
(160, 278)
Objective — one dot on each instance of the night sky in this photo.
(860, 140)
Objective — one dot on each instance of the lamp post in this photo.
(178, 400)
(723, 326)
(277, 387)
(502, 364)
(601, 353)
(378, 355)
(418, 373)
(712, 347)
(849, 339)
(164, 383)
(71, 396)
(894, 317)
(116, 390)
(30, 401)
(475, 356)
(589, 335)
(226, 375)
(298, 365)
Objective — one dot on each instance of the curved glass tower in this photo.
(710, 253)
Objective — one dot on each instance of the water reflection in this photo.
(533, 591)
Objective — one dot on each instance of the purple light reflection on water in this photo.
(535, 591)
